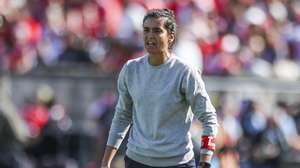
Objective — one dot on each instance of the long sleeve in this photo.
(194, 90)
(123, 112)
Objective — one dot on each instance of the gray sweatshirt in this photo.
(155, 101)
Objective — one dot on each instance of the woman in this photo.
(155, 93)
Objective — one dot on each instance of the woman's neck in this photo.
(159, 59)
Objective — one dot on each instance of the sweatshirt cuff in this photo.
(115, 140)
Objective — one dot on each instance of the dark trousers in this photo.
(129, 163)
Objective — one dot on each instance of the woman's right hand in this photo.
(105, 164)
(109, 154)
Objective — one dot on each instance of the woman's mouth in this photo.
(151, 44)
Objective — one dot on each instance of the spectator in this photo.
(74, 50)
(14, 134)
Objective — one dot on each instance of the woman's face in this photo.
(156, 36)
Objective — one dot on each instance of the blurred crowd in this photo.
(253, 135)
(223, 37)
(41, 132)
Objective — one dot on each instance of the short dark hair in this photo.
(170, 23)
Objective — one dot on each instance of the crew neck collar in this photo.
(161, 65)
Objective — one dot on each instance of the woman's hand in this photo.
(108, 156)
(105, 166)
(204, 165)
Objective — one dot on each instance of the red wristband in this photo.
(208, 142)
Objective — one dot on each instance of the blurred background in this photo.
(59, 61)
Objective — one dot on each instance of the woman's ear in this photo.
(171, 38)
